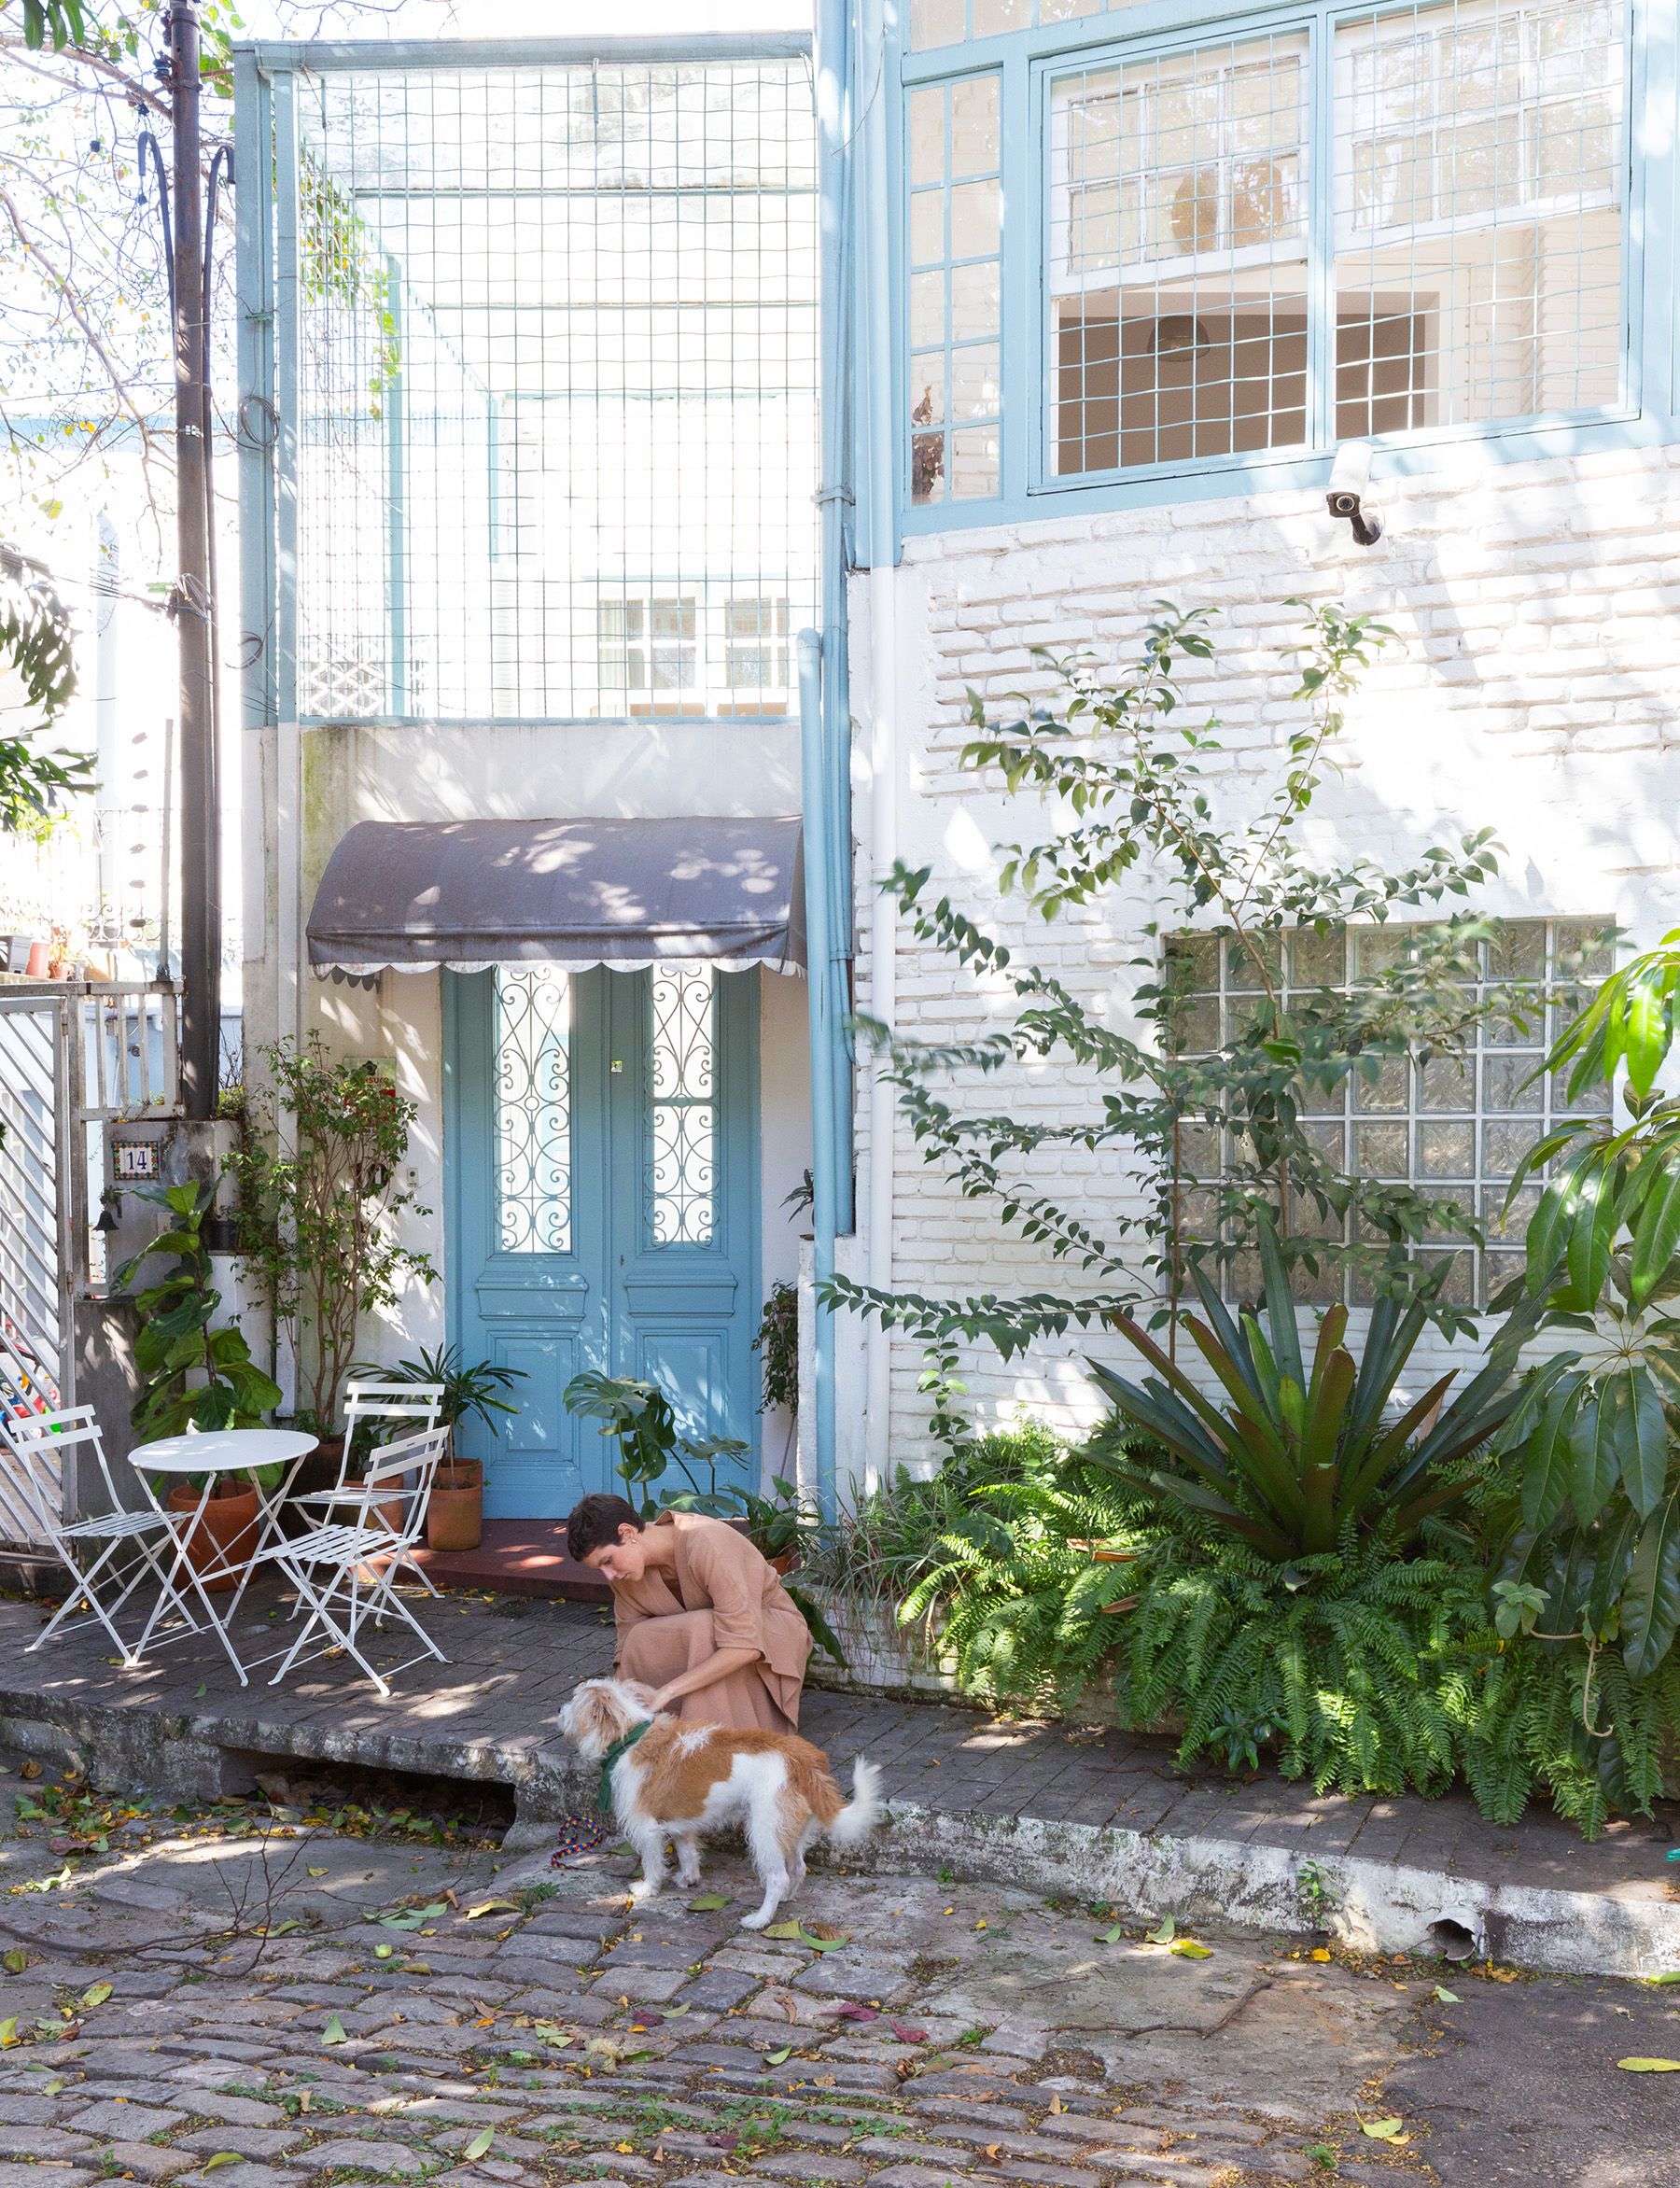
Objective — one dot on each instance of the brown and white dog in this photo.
(678, 1781)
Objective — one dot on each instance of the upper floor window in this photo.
(955, 289)
(1468, 200)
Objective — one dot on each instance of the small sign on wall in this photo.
(134, 1158)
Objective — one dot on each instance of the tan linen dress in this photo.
(726, 1596)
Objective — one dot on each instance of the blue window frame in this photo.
(1225, 249)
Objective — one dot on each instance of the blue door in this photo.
(601, 1168)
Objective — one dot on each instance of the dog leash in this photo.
(618, 1747)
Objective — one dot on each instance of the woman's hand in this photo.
(717, 1666)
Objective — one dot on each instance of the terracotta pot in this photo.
(227, 1530)
(787, 1562)
(455, 1511)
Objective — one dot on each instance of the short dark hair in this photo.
(596, 1521)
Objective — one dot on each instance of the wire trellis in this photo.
(559, 367)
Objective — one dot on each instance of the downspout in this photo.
(825, 723)
(876, 357)
(818, 949)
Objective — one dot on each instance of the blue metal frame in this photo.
(1028, 59)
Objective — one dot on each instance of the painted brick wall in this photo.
(1534, 685)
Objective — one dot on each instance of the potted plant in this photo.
(316, 1231)
(455, 1512)
(197, 1377)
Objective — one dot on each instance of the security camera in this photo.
(1347, 496)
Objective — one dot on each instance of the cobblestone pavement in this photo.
(391, 2026)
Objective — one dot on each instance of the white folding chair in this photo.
(33, 1454)
(375, 1401)
(345, 1572)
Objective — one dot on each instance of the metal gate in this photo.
(73, 1059)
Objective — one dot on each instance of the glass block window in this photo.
(1178, 225)
(682, 1118)
(955, 255)
(533, 1109)
(1478, 161)
(1454, 1132)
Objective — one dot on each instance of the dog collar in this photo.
(618, 1747)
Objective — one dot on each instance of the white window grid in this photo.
(1453, 1134)
(955, 255)
(1478, 163)
(660, 651)
(1178, 241)
(1473, 185)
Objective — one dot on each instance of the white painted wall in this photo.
(1532, 687)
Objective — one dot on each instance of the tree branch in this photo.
(62, 284)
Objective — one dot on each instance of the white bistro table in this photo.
(216, 1453)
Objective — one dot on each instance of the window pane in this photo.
(1178, 292)
(937, 23)
(954, 303)
(533, 1109)
(976, 129)
(993, 16)
(681, 1115)
(1477, 214)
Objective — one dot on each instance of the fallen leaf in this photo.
(384, 1952)
(1382, 2130)
(8, 2030)
(1626, 2012)
(97, 1995)
(16, 1961)
(222, 2157)
(789, 1929)
(624, 2149)
(1448, 1998)
(1055, 2103)
(491, 1907)
(906, 2034)
(828, 1936)
(198, 1695)
(1188, 1950)
(480, 2144)
(1672, 1975)
(775, 2058)
(29, 1768)
(303, 2100)
(672, 2013)
(1108, 1937)
(416, 1967)
(1319, 1953)
(994, 2150)
(848, 2011)
(1649, 2065)
(334, 2030)
(824, 1944)
(322, 1873)
(707, 1903)
(1164, 1935)
(723, 2142)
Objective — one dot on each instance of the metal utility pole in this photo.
(200, 788)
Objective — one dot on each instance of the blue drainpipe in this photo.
(825, 726)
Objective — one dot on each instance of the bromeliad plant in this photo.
(176, 1346)
(1306, 1454)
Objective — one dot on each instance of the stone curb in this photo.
(1631, 1930)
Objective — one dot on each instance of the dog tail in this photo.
(862, 1811)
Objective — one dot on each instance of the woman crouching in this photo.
(702, 1618)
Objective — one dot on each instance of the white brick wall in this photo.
(1534, 685)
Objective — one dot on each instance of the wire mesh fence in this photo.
(558, 353)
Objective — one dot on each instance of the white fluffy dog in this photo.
(668, 1782)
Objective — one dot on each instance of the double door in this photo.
(600, 1159)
